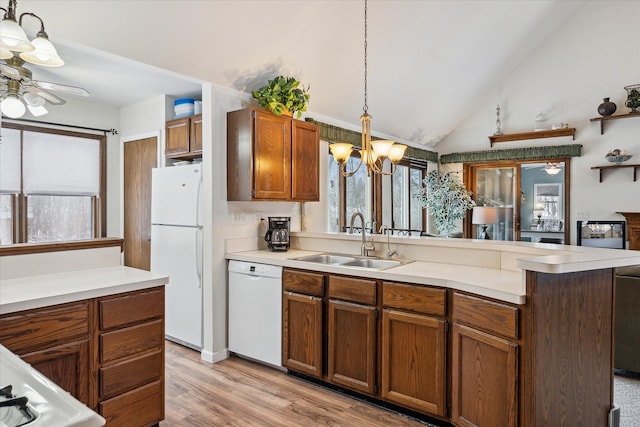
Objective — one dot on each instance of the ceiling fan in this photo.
(16, 83)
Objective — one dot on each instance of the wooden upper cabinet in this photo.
(183, 137)
(271, 157)
(305, 161)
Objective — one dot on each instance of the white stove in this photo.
(28, 398)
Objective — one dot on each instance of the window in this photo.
(362, 193)
(405, 185)
(349, 195)
(51, 184)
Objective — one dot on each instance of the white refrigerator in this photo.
(176, 248)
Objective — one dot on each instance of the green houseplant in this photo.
(446, 198)
(282, 95)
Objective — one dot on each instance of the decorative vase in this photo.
(607, 108)
(633, 97)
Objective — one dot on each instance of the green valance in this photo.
(526, 153)
(333, 133)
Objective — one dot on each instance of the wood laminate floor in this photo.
(237, 392)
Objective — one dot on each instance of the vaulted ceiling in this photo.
(430, 63)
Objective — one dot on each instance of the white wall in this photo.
(594, 55)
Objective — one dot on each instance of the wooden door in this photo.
(140, 157)
(195, 140)
(483, 379)
(305, 162)
(414, 361)
(302, 333)
(271, 156)
(177, 137)
(66, 365)
(352, 346)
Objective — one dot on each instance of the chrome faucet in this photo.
(390, 253)
(365, 248)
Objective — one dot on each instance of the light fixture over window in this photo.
(552, 168)
(373, 153)
(15, 49)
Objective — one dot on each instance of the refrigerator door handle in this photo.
(199, 256)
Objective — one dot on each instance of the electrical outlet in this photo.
(582, 214)
(238, 218)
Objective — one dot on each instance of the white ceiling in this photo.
(430, 63)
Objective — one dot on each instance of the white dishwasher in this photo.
(255, 311)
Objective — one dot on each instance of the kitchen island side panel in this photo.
(569, 351)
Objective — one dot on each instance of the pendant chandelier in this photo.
(373, 153)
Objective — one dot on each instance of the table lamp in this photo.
(484, 216)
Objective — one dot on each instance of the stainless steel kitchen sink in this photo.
(354, 261)
(327, 259)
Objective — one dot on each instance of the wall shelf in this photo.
(635, 169)
(554, 133)
(602, 120)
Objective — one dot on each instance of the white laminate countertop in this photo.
(50, 289)
(504, 285)
(507, 285)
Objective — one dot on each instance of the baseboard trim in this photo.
(214, 357)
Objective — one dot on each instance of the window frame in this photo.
(422, 166)
(20, 203)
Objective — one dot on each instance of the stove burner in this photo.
(14, 411)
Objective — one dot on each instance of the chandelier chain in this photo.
(365, 108)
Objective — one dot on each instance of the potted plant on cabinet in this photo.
(283, 95)
(446, 198)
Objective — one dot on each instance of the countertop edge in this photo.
(93, 283)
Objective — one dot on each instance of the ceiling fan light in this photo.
(45, 53)
(552, 169)
(37, 111)
(12, 107)
(33, 100)
(13, 37)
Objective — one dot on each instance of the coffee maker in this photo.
(277, 236)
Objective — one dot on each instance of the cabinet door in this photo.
(352, 346)
(302, 333)
(195, 140)
(177, 137)
(414, 361)
(484, 379)
(66, 365)
(305, 162)
(271, 157)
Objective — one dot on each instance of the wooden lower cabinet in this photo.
(56, 341)
(352, 341)
(302, 333)
(131, 358)
(107, 352)
(414, 361)
(484, 379)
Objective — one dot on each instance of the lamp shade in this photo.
(397, 151)
(382, 147)
(341, 151)
(484, 215)
(45, 53)
(12, 107)
(13, 37)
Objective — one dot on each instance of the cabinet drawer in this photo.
(355, 290)
(487, 315)
(421, 299)
(131, 308)
(132, 340)
(303, 282)
(143, 406)
(127, 375)
(32, 330)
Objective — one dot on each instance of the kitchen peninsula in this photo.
(90, 324)
(471, 332)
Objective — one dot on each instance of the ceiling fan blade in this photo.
(48, 96)
(71, 90)
(10, 72)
